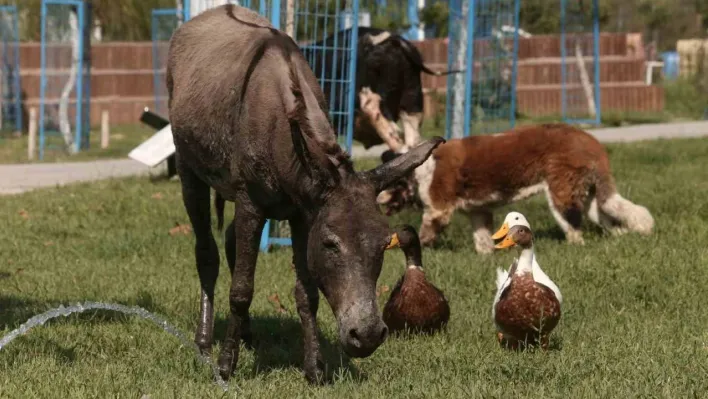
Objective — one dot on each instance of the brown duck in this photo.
(415, 304)
(527, 306)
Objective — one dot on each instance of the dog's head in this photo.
(403, 193)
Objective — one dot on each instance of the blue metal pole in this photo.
(186, 10)
(262, 8)
(265, 235)
(79, 83)
(563, 63)
(514, 69)
(596, 60)
(274, 13)
(452, 43)
(43, 78)
(354, 42)
(413, 20)
(155, 63)
(18, 87)
(469, 67)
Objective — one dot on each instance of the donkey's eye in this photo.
(330, 244)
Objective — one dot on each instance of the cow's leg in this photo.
(230, 243)
(248, 226)
(307, 300)
(411, 127)
(386, 129)
(196, 196)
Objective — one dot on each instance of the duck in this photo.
(415, 304)
(527, 304)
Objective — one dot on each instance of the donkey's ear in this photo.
(386, 174)
(314, 161)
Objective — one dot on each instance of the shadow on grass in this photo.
(278, 344)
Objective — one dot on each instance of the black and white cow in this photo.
(388, 83)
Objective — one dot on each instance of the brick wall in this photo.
(122, 76)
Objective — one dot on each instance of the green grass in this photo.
(635, 320)
(123, 139)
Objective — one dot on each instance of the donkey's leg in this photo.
(230, 242)
(307, 300)
(249, 223)
(197, 197)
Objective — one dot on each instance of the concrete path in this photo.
(20, 178)
(651, 131)
(24, 177)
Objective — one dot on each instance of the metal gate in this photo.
(483, 39)
(65, 86)
(11, 107)
(580, 62)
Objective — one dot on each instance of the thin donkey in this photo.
(250, 121)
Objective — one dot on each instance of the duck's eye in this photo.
(516, 218)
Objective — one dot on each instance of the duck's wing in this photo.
(503, 281)
(540, 277)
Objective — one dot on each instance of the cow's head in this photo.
(348, 235)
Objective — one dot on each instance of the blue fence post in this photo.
(564, 98)
(514, 73)
(274, 13)
(155, 79)
(596, 61)
(186, 10)
(18, 87)
(352, 74)
(80, 13)
(413, 20)
(43, 78)
(469, 67)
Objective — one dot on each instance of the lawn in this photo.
(635, 319)
(123, 139)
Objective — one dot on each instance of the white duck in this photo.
(527, 303)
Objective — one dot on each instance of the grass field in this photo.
(123, 139)
(635, 321)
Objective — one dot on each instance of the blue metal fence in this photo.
(483, 40)
(10, 73)
(65, 83)
(580, 62)
(163, 23)
(327, 35)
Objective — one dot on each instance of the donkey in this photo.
(250, 121)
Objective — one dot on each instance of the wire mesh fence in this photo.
(482, 40)
(11, 106)
(64, 109)
(163, 24)
(580, 62)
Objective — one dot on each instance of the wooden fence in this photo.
(122, 76)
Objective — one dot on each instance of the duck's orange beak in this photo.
(506, 243)
(394, 242)
(503, 230)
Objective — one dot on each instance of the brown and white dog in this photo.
(479, 173)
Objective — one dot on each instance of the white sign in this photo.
(155, 149)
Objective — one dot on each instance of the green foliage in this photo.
(437, 15)
(685, 97)
(633, 324)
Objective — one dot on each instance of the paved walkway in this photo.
(19, 178)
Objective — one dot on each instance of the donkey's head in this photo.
(348, 234)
